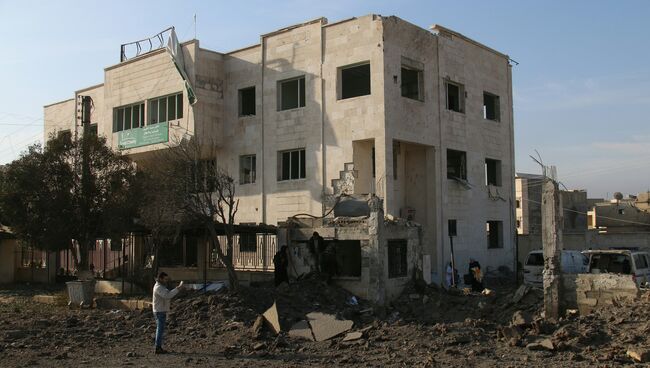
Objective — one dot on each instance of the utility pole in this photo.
(85, 117)
(552, 245)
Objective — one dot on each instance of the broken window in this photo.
(248, 242)
(348, 258)
(397, 260)
(128, 117)
(292, 93)
(494, 234)
(412, 83)
(65, 134)
(455, 97)
(247, 169)
(518, 203)
(493, 172)
(491, 109)
(166, 108)
(355, 81)
(456, 164)
(518, 224)
(621, 211)
(291, 164)
(92, 129)
(610, 263)
(247, 101)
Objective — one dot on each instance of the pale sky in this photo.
(581, 89)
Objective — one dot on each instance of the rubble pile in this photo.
(321, 325)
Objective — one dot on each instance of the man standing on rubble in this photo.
(160, 304)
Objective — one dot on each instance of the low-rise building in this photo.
(375, 105)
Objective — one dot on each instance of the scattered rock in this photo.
(131, 354)
(640, 355)
(351, 336)
(259, 346)
(544, 344)
(521, 318)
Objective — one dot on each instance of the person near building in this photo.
(475, 275)
(281, 264)
(316, 245)
(162, 297)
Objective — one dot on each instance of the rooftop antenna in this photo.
(195, 26)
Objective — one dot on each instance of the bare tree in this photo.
(193, 189)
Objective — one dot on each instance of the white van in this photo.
(571, 261)
(621, 261)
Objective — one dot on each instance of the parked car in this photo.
(571, 261)
(621, 261)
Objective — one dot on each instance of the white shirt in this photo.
(162, 297)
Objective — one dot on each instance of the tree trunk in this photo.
(226, 261)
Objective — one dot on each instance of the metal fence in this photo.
(252, 252)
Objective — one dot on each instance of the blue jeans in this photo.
(160, 327)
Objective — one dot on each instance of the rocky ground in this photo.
(426, 327)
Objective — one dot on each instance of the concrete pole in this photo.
(552, 244)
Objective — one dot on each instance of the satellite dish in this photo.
(618, 196)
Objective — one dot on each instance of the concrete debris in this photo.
(351, 336)
(272, 319)
(544, 344)
(301, 330)
(521, 318)
(520, 293)
(326, 326)
(257, 326)
(640, 355)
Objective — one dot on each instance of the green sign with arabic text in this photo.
(138, 137)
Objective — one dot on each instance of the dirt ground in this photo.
(426, 327)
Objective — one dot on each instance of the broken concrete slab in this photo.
(272, 319)
(326, 326)
(351, 336)
(301, 330)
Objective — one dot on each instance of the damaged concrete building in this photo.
(369, 107)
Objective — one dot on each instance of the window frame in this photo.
(499, 234)
(340, 73)
(497, 108)
(178, 100)
(252, 176)
(463, 167)
(461, 96)
(302, 166)
(240, 94)
(122, 109)
(420, 83)
(498, 174)
(393, 247)
(301, 97)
